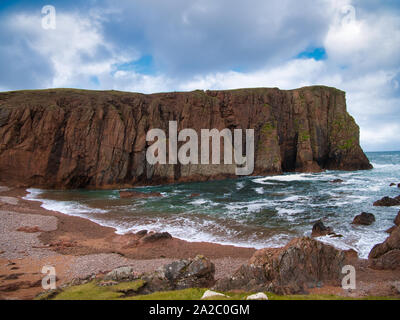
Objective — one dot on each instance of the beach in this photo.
(78, 248)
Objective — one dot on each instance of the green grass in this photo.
(126, 290)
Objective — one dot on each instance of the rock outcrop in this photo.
(182, 274)
(364, 218)
(320, 230)
(387, 202)
(66, 138)
(301, 264)
(386, 255)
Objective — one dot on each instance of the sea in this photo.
(252, 211)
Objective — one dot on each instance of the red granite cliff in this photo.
(66, 138)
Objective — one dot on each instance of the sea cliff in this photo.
(68, 138)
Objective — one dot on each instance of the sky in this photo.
(182, 45)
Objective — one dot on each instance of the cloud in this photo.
(151, 46)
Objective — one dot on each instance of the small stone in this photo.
(152, 237)
(210, 294)
(258, 296)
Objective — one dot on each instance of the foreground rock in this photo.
(182, 274)
(386, 255)
(121, 274)
(138, 195)
(303, 263)
(45, 134)
(387, 202)
(364, 219)
(320, 230)
(396, 223)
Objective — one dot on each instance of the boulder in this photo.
(387, 202)
(392, 184)
(364, 218)
(155, 236)
(138, 195)
(212, 294)
(337, 181)
(121, 274)
(398, 186)
(320, 230)
(196, 273)
(386, 255)
(301, 264)
(258, 296)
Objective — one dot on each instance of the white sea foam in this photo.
(259, 190)
(72, 208)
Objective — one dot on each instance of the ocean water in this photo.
(252, 211)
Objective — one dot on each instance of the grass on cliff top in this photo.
(126, 291)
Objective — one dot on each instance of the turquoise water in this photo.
(251, 211)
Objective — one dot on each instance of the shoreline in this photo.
(79, 247)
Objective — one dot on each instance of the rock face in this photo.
(66, 138)
(302, 263)
(386, 255)
(397, 219)
(364, 218)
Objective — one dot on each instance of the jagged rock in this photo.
(141, 233)
(397, 219)
(45, 134)
(387, 202)
(302, 263)
(258, 296)
(138, 195)
(121, 274)
(386, 255)
(388, 261)
(155, 236)
(211, 294)
(391, 229)
(319, 229)
(364, 218)
(182, 274)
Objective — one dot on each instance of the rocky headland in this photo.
(66, 138)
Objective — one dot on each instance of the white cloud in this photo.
(196, 45)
